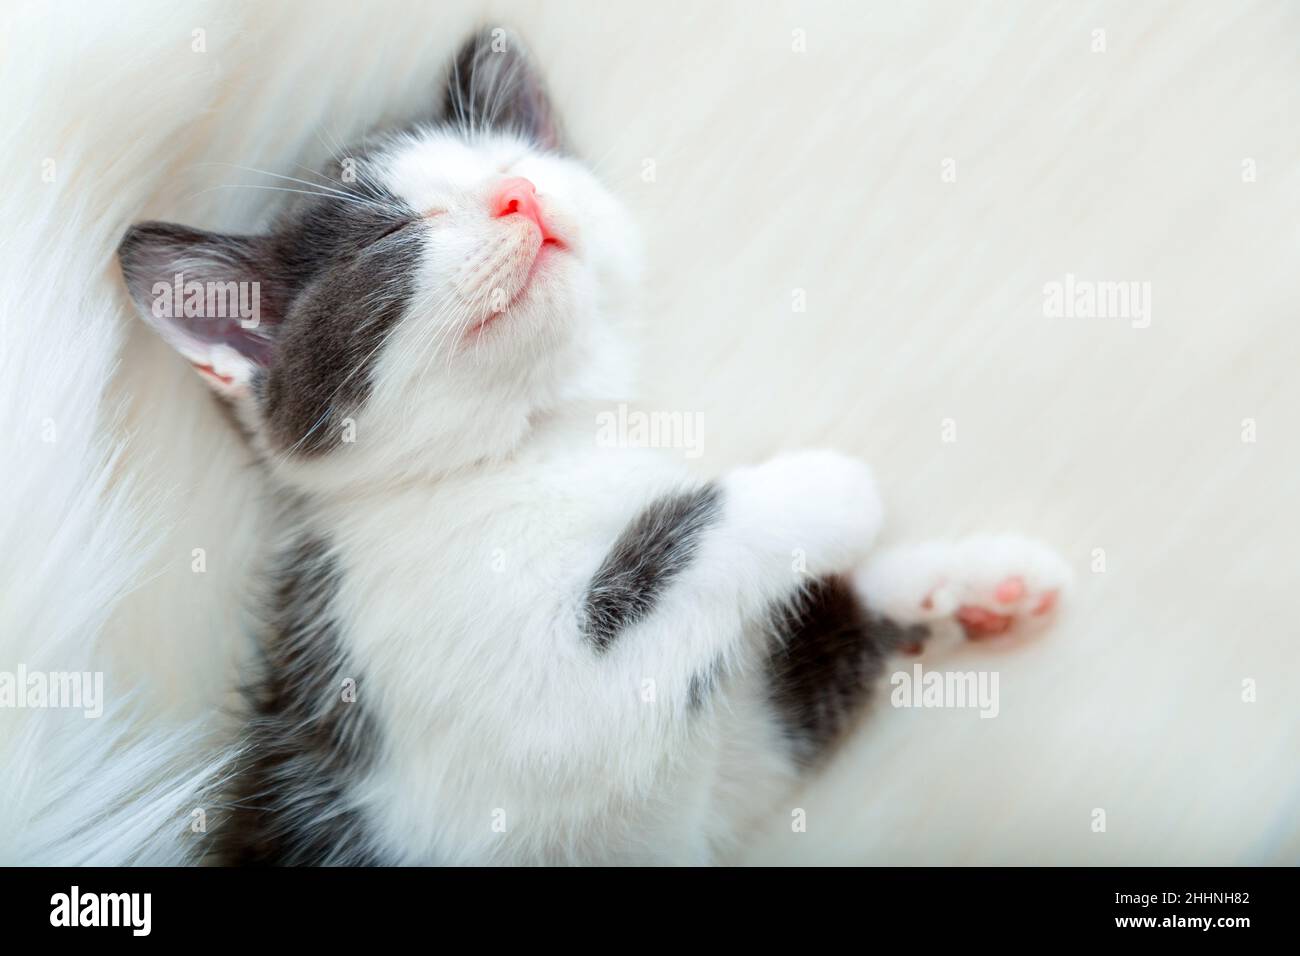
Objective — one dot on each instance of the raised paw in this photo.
(989, 586)
(822, 505)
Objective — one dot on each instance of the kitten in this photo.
(490, 640)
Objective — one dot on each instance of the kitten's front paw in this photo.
(990, 585)
(821, 503)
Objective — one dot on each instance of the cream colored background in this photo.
(776, 171)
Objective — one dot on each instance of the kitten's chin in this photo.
(537, 301)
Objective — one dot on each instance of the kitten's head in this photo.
(441, 289)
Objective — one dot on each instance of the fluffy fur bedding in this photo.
(855, 220)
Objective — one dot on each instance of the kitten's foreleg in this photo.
(839, 635)
(698, 573)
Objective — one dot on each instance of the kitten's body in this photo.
(503, 730)
(490, 639)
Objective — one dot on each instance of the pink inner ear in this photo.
(208, 372)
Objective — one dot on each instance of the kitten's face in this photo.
(443, 287)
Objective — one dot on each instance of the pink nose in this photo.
(517, 196)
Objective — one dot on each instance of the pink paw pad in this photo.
(982, 622)
(979, 622)
(1009, 591)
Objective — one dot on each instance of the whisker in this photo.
(292, 179)
(284, 189)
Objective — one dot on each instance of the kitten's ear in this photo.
(492, 84)
(207, 295)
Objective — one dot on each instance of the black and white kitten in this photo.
(490, 639)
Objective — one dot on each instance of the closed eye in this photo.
(395, 228)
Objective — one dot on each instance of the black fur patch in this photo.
(305, 740)
(658, 544)
(829, 653)
(351, 264)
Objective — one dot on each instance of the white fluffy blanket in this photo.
(919, 174)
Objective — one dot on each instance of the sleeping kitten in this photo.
(489, 639)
